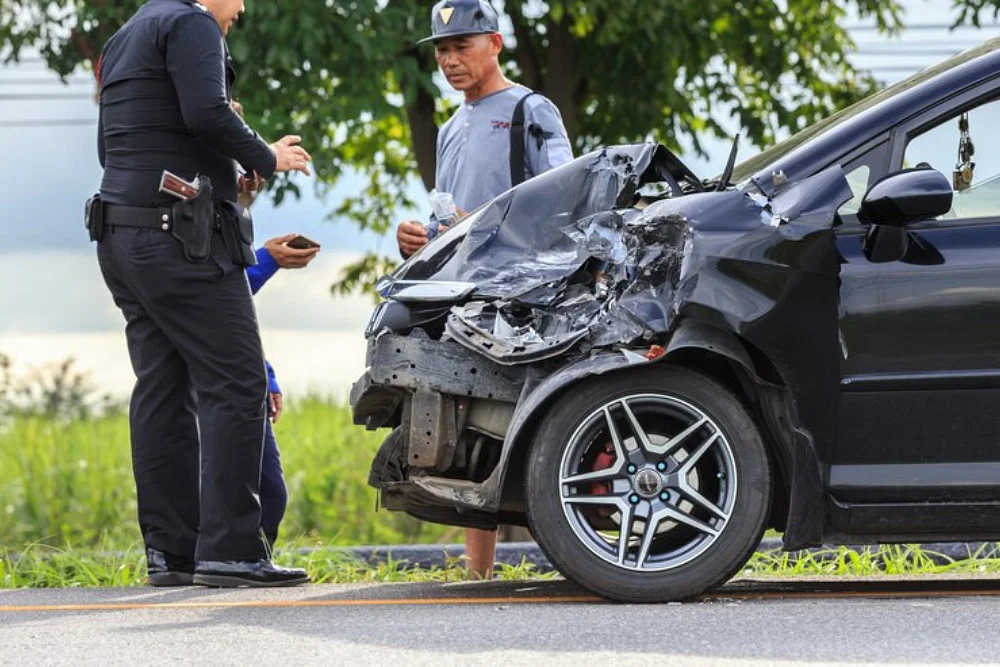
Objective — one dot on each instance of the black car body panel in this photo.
(865, 351)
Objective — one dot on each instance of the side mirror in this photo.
(906, 196)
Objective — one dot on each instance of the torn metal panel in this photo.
(514, 242)
(482, 328)
(602, 276)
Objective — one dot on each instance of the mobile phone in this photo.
(302, 243)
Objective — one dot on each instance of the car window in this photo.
(976, 177)
(744, 170)
(861, 173)
(857, 179)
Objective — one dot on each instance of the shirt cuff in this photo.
(270, 160)
(267, 266)
(272, 380)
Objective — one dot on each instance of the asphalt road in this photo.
(932, 621)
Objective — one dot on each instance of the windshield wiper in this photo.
(730, 165)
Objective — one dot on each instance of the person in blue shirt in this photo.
(273, 494)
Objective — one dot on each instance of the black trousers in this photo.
(198, 409)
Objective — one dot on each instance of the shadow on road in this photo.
(801, 620)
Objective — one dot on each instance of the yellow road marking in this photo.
(404, 602)
(221, 604)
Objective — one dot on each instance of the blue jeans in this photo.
(273, 494)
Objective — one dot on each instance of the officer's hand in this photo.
(289, 258)
(276, 407)
(411, 236)
(289, 156)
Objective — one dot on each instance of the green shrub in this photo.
(69, 484)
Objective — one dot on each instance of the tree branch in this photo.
(423, 130)
(562, 76)
(420, 110)
(524, 52)
(85, 47)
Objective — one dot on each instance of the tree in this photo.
(348, 77)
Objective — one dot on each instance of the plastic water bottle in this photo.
(444, 210)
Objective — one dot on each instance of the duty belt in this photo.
(118, 215)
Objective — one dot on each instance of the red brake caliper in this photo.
(603, 461)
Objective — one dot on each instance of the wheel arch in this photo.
(798, 506)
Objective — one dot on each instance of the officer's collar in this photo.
(194, 3)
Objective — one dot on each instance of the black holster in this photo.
(194, 221)
(93, 217)
(236, 226)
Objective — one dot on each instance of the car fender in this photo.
(792, 446)
(690, 334)
(537, 396)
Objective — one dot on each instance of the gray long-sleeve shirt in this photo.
(166, 87)
(473, 147)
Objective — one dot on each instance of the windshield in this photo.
(749, 167)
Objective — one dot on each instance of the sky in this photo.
(53, 303)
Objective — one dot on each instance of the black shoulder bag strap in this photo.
(517, 174)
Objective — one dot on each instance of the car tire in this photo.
(586, 555)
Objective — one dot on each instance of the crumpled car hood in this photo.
(578, 256)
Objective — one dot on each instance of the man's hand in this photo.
(289, 258)
(276, 407)
(411, 236)
(290, 156)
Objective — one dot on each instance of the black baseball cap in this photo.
(454, 18)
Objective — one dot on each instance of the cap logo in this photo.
(446, 13)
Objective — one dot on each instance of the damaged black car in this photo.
(649, 369)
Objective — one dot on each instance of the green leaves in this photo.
(348, 76)
(972, 11)
(358, 276)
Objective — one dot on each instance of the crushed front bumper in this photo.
(401, 367)
(432, 391)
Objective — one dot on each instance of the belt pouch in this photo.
(236, 225)
(193, 222)
(93, 216)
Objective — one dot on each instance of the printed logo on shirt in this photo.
(500, 124)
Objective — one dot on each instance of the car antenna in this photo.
(730, 164)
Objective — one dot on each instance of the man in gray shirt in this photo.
(474, 147)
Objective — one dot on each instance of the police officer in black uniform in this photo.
(175, 268)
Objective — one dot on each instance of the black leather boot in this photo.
(255, 574)
(168, 570)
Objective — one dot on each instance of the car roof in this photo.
(877, 113)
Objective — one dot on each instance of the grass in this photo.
(67, 504)
(40, 566)
(886, 560)
(48, 567)
(67, 508)
(69, 485)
